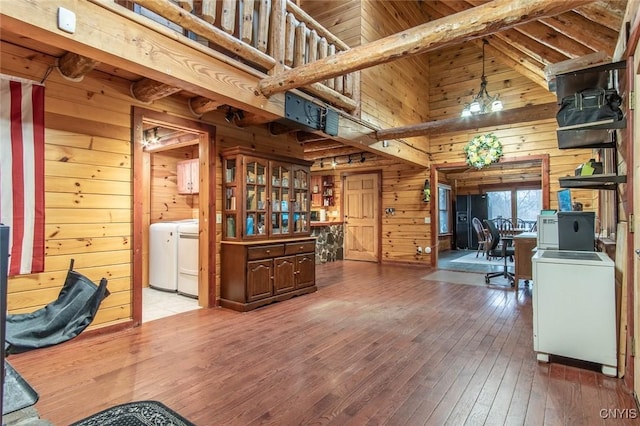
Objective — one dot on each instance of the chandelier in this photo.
(483, 102)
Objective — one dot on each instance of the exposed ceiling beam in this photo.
(147, 90)
(74, 66)
(511, 116)
(201, 105)
(467, 25)
(606, 12)
(509, 47)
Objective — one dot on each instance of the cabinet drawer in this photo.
(264, 252)
(301, 247)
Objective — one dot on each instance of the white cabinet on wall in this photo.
(188, 176)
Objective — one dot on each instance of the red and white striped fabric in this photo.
(22, 172)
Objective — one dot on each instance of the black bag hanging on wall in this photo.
(589, 106)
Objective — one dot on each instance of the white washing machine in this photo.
(188, 250)
(163, 255)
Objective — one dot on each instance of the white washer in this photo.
(188, 250)
(163, 255)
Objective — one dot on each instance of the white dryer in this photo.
(188, 250)
(163, 255)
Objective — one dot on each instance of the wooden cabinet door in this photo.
(259, 279)
(283, 274)
(305, 270)
(188, 176)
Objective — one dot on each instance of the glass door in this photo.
(256, 197)
(301, 197)
(280, 181)
(231, 199)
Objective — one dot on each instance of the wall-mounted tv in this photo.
(564, 200)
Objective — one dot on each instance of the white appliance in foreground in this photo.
(188, 250)
(163, 255)
(574, 307)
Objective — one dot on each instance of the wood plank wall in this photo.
(455, 79)
(166, 203)
(88, 179)
(392, 94)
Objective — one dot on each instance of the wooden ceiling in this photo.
(589, 31)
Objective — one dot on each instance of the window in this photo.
(444, 209)
(527, 206)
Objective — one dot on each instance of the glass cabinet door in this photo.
(301, 200)
(256, 197)
(280, 181)
(231, 199)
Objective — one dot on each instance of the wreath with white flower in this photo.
(483, 150)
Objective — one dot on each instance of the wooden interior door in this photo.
(362, 217)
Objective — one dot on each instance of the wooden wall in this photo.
(455, 79)
(88, 181)
(392, 94)
(166, 203)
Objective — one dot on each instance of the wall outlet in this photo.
(218, 217)
(390, 210)
(427, 219)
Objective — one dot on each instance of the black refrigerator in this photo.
(467, 207)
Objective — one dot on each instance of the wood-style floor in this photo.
(375, 345)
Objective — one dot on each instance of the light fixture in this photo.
(362, 159)
(483, 102)
(229, 115)
(349, 161)
(334, 163)
(322, 163)
(150, 137)
(385, 144)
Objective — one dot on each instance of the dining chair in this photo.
(482, 234)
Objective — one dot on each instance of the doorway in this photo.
(160, 134)
(448, 172)
(362, 216)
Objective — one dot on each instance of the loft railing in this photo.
(268, 35)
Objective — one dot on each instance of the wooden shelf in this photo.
(601, 181)
(602, 124)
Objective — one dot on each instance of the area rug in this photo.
(140, 413)
(467, 278)
(480, 260)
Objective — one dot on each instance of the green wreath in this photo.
(483, 150)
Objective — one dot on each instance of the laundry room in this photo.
(171, 285)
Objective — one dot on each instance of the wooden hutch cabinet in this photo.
(267, 254)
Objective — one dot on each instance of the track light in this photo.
(334, 163)
(362, 159)
(385, 144)
(229, 115)
(322, 163)
(349, 160)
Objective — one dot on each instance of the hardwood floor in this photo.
(375, 345)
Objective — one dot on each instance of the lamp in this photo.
(426, 191)
(483, 102)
